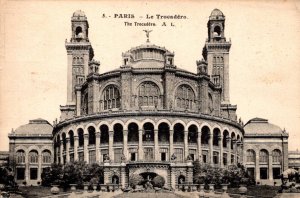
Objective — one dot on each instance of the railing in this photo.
(193, 144)
(163, 143)
(148, 142)
(178, 144)
(117, 144)
(132, 143)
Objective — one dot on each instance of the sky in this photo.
(264, 57)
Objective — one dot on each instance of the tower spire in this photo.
(216, 53)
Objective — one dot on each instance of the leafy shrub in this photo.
(52, 175)
(232, 174)
(158, 181)
(135, 179)
(71, 173)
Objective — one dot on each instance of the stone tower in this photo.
(216, 53)
(80, 52)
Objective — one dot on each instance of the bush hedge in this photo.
(158, 181)
(234, 175)
(72, 173)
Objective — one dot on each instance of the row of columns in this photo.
(236, 151)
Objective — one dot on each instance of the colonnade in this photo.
(215, 143)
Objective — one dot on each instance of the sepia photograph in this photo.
(149, 99)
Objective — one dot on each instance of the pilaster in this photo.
(78, 100)
(257, 172)
(140, 145)
(228, 140)
(171, 144)
(156, 150)
(76, 143)
(98, 150)
(85, 148)
(235, 150)
(67, 149)
(110, 145)
(270, 167)
(39, 167)
(199, 146)
(61, 148)
(220, 138)
(125, 143)
(211, 149)
(186, 146)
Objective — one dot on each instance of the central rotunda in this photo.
(148, 116)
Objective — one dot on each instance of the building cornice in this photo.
(157, 113)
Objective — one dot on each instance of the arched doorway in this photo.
(181, 179)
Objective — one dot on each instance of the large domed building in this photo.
(31, 150)
(149, 117)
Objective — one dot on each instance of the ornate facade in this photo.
(265, 150)
(146, 117)
(31, 150)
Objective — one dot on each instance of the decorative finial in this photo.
(147, 34)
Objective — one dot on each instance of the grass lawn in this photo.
(259, 191)
(36, 191)
(255, 191)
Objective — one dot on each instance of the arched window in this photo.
(184, 97)
(118, 133)
(250, 155)
(263, 156)
(115, 179)
(104, 138)
(148, 94)
(64, 141)
(71, 135)
(133, 132)
(46, 155)
(210, 103)
(192, 134)
(148, 133)
(181, 179)
(85, 104)
(80, 137)
(92, 135)
(217, 31)
(163, 132)
(216, 135)
(178, 133)
(33, 157)
(276, 156)
(205, 135)
(111, 97)
(78, 32)
(20, 156)
(225, 137)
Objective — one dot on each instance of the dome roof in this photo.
(79, 13)
(262, 127)
(35, 127)
(216, 14)
(148, 56)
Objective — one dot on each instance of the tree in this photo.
(135, 179)
(72, 173)
(158, 181)
(76, 172)
(52, 175)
